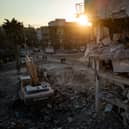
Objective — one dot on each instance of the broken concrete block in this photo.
(108, 108)
(70, 119)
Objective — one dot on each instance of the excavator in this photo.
(33, 86)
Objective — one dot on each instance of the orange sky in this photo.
(37, 12)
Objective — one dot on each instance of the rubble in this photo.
(71, 107)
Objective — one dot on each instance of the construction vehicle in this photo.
(32, 86)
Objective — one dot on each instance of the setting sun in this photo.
(84, 20)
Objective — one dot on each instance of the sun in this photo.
(84, 20)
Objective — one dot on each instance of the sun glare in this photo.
(84, 20)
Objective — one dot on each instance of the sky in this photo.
(37, 12)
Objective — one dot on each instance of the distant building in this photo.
(57, 22)
(75, 36)
(57, 32)
(39, 34)
(62, 34)
(45, 35)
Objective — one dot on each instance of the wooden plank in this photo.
(97, 100)
(121, 66)
(114, 78)
(110, 77)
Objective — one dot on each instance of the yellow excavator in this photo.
(33, 86)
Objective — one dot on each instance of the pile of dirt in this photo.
(66, 110)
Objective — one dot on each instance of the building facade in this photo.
(67, 34)
(62, 34)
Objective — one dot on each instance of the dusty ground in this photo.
(71, 107)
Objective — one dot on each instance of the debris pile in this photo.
(117, 96)
(71, 107)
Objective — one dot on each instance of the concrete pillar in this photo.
(97, 91)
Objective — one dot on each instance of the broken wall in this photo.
(105, 8)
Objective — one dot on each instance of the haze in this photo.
(37, 12)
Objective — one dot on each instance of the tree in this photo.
(14, 30)
(2, 39)
(31, 36)
(15, 33)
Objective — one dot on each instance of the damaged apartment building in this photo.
(108, 56)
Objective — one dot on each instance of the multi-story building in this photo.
(57, 22)
(57, 33)
(39, 34)
(75, 35)
(45, 35)
(67, 34)
(62, 34)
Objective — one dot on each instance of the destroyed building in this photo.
(108, 55)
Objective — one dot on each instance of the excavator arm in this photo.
(32, 70)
